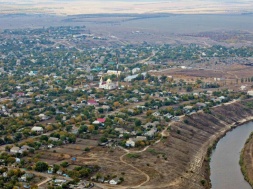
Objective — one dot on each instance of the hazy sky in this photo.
(126, 6)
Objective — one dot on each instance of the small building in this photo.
(101, 120)
(130, 143)
(132, 77)
(27, 176)
(53, 139)
(250, 93)
(43, 117)
(222, 98)
(59, 172)
(200, 105)
(17, 160)
(50, 170)
(168, 115)
(113, 72)
(59, 182)
(92, 103)
(50, 146)
(14, 150)
(5, 174)
(114, 181)
(37, 129)
(188, 108)
(156, 114)
(243, 87)
(135, 70)
(121, 130)
(90, 77)
(151, 132)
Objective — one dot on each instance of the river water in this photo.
(225, 168)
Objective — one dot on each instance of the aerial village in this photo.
(69, 113)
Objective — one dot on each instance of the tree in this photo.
(55, 168)
(69, 128)
(44, 137)
(41, 166)
(11, 160)
(116, 104)
(149, 112)
(17, 136)
(103, 139)
(137, 122)
(189, 88)
(163, 78)
(82, 129)
(65, 164)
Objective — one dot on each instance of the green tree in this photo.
(41, 166)
(137, 122)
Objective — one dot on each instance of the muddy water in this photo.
(225, 168)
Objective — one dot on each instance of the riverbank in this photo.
(180, 160)
(246, 160)
(215, 142)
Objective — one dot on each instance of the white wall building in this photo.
(250, 93)
(113, 72)
(37, 129)
(108, 85)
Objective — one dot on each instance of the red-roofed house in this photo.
(101, 120)
(92, 103)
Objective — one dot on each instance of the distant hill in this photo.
(71, 7)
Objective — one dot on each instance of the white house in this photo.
(135, 70)
(15, 150)
(113, 72)
(151, 132)
(53, 139)
(37, 129)
(130, 143)
(156, 114)
(17, 160)
(132, 77)
(26, 177)
(243, 87)
(250, 93)
(114, 181)
(59, 181)
(50, 146)
(5, 174)
(59, 172)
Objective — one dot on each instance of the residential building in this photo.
(37, 129)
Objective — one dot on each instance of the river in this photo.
(225, 168)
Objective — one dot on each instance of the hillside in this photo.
(179, 160)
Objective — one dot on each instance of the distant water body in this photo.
(171, 24)
(225, 168)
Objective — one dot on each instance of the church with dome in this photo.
(108, 85)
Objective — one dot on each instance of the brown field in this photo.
(233, 71)
(228, 76)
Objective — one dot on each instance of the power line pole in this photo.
(117, 67)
